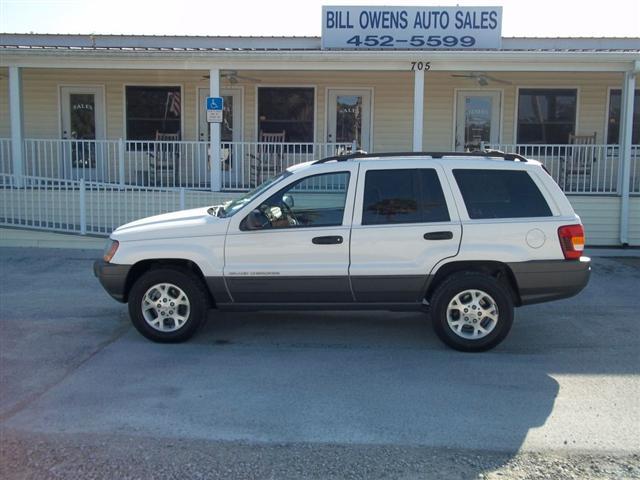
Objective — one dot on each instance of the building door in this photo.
(349, 117)
(230, 131)
(477, 119)
(83, 124)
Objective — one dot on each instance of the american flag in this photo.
(173, 99)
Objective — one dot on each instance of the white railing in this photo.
(581, 169)
(634, 181)
(79, 206)
(92, 160)
(162, 164)
(247, 164)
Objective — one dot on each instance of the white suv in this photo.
(463, 236)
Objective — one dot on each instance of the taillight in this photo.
(571, 241)
(110, 251)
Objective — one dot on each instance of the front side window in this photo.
(613, 120)
(286, 110)
(315, 201)
(152, 112)
(546, 116)
(403, 196)
(500, 194)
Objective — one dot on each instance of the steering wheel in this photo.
(286, 210)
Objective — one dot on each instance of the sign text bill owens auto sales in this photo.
(411, 27)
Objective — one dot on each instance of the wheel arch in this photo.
(495, 269)
(143, 266)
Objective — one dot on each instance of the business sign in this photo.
(214, 109)
(419, 28)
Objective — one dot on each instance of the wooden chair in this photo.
(267, 161)
(581, 155)
(164, 159)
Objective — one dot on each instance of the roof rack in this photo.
(484, 154)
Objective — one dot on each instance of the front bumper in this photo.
(113, 278)
(546, 280)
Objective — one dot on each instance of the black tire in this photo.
(195, 312)
(457, 284)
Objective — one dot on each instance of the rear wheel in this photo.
(167, 304)
(472, 312)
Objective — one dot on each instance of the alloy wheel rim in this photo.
(165, 307)
(472, 314)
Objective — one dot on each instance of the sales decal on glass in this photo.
(411, 27)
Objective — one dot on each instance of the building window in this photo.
(546, 116)
(613, 120)
(152, 110)
(287, 109)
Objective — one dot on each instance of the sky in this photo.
(521, 18)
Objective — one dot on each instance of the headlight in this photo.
(110, 250)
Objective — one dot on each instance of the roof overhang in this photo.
(396, 60)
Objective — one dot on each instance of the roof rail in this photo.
(484, 154)
(345, 157)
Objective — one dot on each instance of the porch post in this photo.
(214, 144)
(626, 116)
(15, 113)
(418, 109)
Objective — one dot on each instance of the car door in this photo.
(404, 223)
(292, 246)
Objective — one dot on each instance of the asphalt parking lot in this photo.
(312, 395)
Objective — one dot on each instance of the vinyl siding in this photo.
(600, 216)
(441, 88)
(5, 125)
(392, 100)
(634, 221)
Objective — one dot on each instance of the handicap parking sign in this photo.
(214, 109)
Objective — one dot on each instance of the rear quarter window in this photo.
(500, 194)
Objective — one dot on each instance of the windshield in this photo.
(230, 208)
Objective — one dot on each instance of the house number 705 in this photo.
(420, 66)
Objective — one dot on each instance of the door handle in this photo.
(328, 240)
(438, 235)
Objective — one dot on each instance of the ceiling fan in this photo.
(232, 76)
(483, 79)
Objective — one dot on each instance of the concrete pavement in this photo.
(564, 381)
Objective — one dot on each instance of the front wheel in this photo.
(472, 312)
(167, 305)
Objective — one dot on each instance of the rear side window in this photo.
(500, 194)
(403, 196)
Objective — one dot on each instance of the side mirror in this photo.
(288, 201)
(256, 220)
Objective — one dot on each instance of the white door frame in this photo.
(367, 109)
(65, 149)
(100, 114)
(459, 117)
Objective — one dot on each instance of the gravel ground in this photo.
(119, 457)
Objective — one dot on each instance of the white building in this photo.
(99, 130)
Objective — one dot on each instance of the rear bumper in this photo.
(545, 280)
(113, 278)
